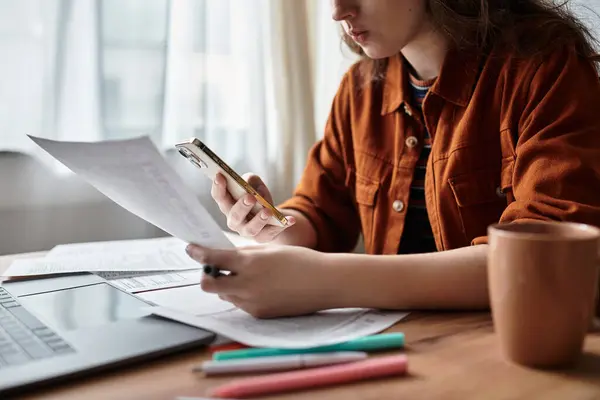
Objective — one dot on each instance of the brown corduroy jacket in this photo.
(513, 139)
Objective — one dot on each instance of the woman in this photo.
(461, 114)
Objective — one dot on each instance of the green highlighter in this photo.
(367, 343)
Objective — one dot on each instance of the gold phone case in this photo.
(209, 163)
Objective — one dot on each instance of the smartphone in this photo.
(202, 157)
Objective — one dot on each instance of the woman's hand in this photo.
(238, 219)
(269, 281)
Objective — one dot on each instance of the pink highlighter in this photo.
(314, 377)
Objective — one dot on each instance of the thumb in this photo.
(257, 183)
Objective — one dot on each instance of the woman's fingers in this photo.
(236, 211)
(238, 214)
(219, 193)
(256, 224)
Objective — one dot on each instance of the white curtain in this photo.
(234, 73)
(28, 47)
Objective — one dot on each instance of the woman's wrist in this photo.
(344, 279)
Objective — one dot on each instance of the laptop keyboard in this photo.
(23, 337)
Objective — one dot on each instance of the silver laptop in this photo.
(65, 326)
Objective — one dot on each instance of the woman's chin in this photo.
(377, 52)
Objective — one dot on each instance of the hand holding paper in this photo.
(270, 281)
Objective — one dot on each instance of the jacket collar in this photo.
(455, 83)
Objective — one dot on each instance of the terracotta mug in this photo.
(543, 283)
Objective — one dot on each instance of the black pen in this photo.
(214, 271)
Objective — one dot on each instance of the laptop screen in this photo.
(84, 307)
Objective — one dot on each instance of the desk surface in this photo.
(451, 356)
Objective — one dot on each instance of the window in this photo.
(133, 44)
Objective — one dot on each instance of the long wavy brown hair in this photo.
(527, 28)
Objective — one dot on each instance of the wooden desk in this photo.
(451, 356)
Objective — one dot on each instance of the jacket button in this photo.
(411, 142)
(398, 206)
(407, 111)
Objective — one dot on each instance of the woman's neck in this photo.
(426, 54)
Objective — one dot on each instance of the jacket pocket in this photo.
(480, 200)
(366, 196)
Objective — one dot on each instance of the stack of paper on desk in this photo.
(158, 258)
(132, 265)
(166, 254)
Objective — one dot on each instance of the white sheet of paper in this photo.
(189, 299)
(133, 174)
(323, 328)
